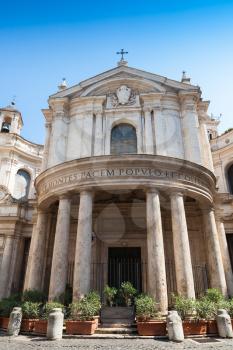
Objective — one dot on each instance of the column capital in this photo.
(64, 196)
(206, 208)
(151, 190)
(86, 191)
(176, 194)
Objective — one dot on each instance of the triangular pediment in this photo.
(141, 81)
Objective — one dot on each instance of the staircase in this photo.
(117, 320)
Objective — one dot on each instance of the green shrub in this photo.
(184, 306)
(205, 309)
(31, 310)
(33, 295)
(229, 307)
(48, 307)
(128, 292)
(146, 307)
(110, 294)
(83, 309)
(7, 305)
(214, 295)
(94, 298)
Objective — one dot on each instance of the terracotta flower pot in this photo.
(194, 327)
(212, 327)
(4, 323)
(28, 324)
(81, 327)
(151, 328)
(96, 318)
(40, 326)
(1, 322)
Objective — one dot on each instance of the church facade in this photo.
(133, 184)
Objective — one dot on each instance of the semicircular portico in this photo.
(125, 172)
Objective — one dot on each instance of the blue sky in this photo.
(43, 41)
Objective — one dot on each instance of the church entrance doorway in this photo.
(124, 264)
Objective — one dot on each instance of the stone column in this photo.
(206, 150)
(11, 272)
(5, 266)
(98, 135)
(59, 268)
(149, 143)
(59, 132)
(215, 263)
(182, 255)
(48, 127)
(157, 284)
(190, 128)
(225, 257)
(82, 265)
(34, 273)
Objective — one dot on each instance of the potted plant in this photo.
(31, 312)
(110, 294)
(94, 298)
(128, 292)
(229, 308)
(216, 301)
(82, 317)
(186, 309)
(6, 306)
(40, 325)
(206, 310)
(148, 322)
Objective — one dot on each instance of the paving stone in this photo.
(37, 343)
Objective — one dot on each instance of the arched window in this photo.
(22, 184)
(123, 139)
(230, 178)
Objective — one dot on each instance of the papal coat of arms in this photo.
(123, 96)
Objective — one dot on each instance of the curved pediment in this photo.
(138, 80)
(110, 85)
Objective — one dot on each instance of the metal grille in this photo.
(135, 271)
(125, 269)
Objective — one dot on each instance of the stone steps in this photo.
(116, 330)
(117, 325)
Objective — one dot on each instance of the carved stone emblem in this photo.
(124, 96)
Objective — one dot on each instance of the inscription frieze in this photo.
(95, 175)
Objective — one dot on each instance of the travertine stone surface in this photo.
(183, 264)
(82, 265)
(5, 266)
(15, 322)
(224, 324)
(37, 253)
(225, 257)
(55, 324)
(190, 128)
(58, 276)
(149, 144)
(174, 327)
(157, 284)
(214, 257)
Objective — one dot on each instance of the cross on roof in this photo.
(122, 53)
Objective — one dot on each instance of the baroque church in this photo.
(133, 183)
